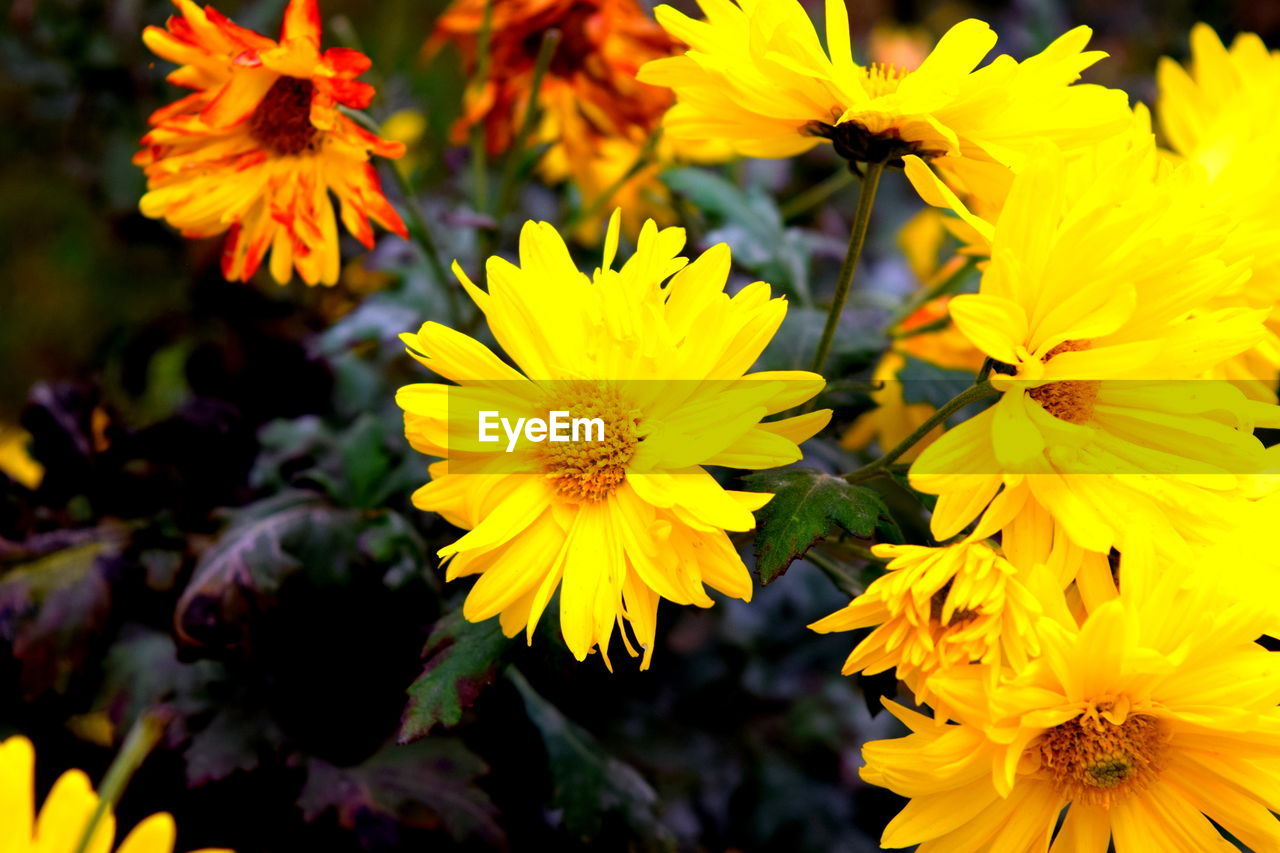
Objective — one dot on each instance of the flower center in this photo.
(588, 470)
(960, 616)
(882, 78)
(282, 121)
(1092, 760)
(1070, 400)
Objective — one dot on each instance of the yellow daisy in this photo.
(1143, 725)
(59, 823)
(939, 608)
(255, 151)
(1219, 113)
(1097, 304)
(620, 519)
(756, 76)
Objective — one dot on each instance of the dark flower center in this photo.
(282, 121)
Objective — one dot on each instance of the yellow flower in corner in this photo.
(1144, 725)
(257, 148)
(757, 76)
(1097, 306)
(939, 608)
(59, 823)
(656, 353)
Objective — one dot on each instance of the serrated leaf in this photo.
(424, 785)
(588, 783)
(805, 506)
(460, 658)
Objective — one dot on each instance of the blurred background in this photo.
(217, 520)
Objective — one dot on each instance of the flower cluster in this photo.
(1076, 655)
(1083, 673)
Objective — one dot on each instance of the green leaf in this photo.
(53, 608)
(805, 505)
(588, 783)
(424, 785)
(796, 342)
(750, 223)
(267, 542)
(366, 464)
(460, 659)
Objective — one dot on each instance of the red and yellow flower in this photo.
(260, 144)
(597, 117)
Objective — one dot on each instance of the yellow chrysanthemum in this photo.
(1220, 114)
(657, 351)
(940, 608)
(15, 460)
(1144, 724)
(63, 818)
(1097, 303)
(257, 148)
(757, 76)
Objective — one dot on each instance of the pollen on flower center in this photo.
(589, 471)
(1070, 400)
(1092, 760)
(882, 78)
(282, 121)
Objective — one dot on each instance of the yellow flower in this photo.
(1144, 724)
(58, 825)
(1220, 114)
(617, 520)
(257, 148)
(15, 460)
(940, 608)
(757, 77)
(1096, 303)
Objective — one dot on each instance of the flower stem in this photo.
(836, 573)
(141, 739)
(973, 394)
(511, 167)
(857, 237)
(816, 194)
(422, 236)
(479, 145)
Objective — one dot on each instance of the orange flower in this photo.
(592, 74)
(260, 144)
(597, 118)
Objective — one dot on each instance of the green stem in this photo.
(816, 194)
(972, 394)
(422, 236)
(835, 572)
(857, 237)
(940, 289)
(141, 739)
(479, 145)
(511, 167)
